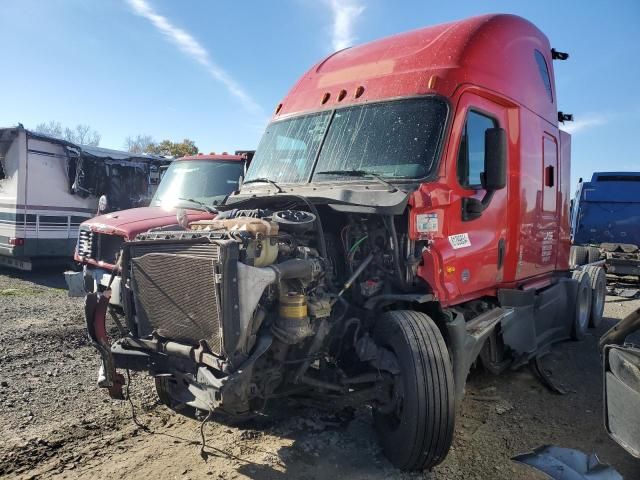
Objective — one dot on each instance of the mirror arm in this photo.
(617, 334)
(472, 208)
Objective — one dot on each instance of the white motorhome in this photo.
(49, 186)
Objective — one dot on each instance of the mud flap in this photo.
(467, 339)
(95, 312)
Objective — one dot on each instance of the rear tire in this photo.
(418, 432)
(578, 255)
(582, 305)
(598, 282)
(593, 254)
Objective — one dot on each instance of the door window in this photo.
(471, 153)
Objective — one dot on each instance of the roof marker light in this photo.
(325, 98)
(278, 108)
(359, 92)
(342, 94)
(433, 81)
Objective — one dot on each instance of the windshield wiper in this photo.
(202, 204)
(266, 180)
(361, 174)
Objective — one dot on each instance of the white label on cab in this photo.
(461, 240)
(427, 222)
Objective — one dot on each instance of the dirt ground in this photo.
(55, 423)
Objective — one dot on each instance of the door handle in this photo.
(501, 248)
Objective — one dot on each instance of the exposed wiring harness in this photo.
(134, 418)
(354, 248)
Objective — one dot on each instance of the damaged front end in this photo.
(234, 312)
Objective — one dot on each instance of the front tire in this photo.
(416, 434)
(164, 388)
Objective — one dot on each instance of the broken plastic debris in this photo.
(567, 464)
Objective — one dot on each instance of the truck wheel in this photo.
(417, 431)
(164, 395)
(583, 305)
(578, 255)
(598, 281)
(593, 254)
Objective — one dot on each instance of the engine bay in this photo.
(299, 295)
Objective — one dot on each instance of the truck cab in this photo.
(191, 187)
(406, 214)
(605, 222)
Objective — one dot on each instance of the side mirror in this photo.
(494, 176)
(182, 218)
(621, 363)
(102, 203)
(495, 159)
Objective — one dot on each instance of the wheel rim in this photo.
(598, 300)
(398, 399)
(583, 307)
(392, 411)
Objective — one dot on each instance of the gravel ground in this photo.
(57, 424)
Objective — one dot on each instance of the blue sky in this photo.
(213, 71)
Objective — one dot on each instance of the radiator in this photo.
(179, 291)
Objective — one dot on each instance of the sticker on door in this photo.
(427, 222)
(461, 240)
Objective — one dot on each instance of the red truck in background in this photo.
(191, 186)
(405, 216)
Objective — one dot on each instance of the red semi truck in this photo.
(405, 216)
(191, 185)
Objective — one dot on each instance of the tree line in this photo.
(85, 135)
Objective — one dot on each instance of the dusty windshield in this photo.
(206, 181)
(395, 139)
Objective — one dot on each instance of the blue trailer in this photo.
(605, 222)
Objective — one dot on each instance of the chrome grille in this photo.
(178, 293)
(101, 247)
(85, 243)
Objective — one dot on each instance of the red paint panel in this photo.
(496, 52)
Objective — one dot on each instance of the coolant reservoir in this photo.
(262, 250)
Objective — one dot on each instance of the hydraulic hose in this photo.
(396, 252)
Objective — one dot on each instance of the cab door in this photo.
(547, 231)
(477, 246)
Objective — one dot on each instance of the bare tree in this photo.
(53, 129)
(81, 134)
(140, 144)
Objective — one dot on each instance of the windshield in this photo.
(206, 181)
(399, 138)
